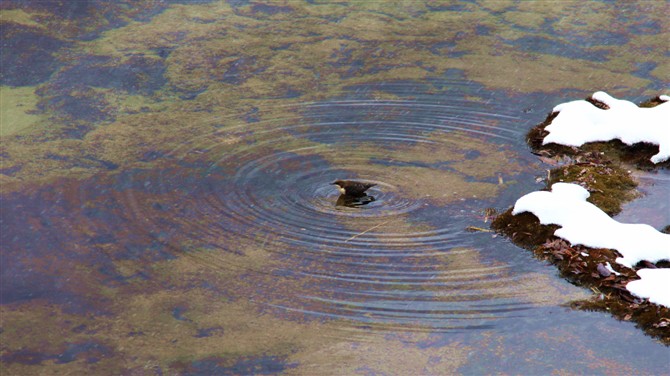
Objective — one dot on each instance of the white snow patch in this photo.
(609, 267)
(584, 223)
(653, 285)
(579, 122)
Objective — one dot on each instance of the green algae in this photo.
(290, 57)
(18, 110)
(21, 17)
(610, 185)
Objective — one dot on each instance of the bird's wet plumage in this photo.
(353, 188)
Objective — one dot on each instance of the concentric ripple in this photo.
(400, 260)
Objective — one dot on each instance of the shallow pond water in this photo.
(167, 197)
(402, 259)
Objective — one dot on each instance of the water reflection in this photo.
(353, 201)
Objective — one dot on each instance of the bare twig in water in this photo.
(370, 229)
(479, 229)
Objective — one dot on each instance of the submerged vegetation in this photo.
(610, 185)
(598, 167)
(124, 125)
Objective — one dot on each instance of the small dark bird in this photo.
(353, 188)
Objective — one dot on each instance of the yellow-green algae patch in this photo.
(41, 331)
(145, 330)
(381, 355)
(18, 109)
(166, 321)
(21, 17)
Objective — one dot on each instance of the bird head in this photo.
(340, 185)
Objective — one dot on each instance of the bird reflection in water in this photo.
(352, 202)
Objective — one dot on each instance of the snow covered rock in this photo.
(653, 285)
(584, 223)
(579, 122)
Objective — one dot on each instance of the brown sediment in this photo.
(598, 168)
(652, 102)
(524, 229)
(587, 267)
